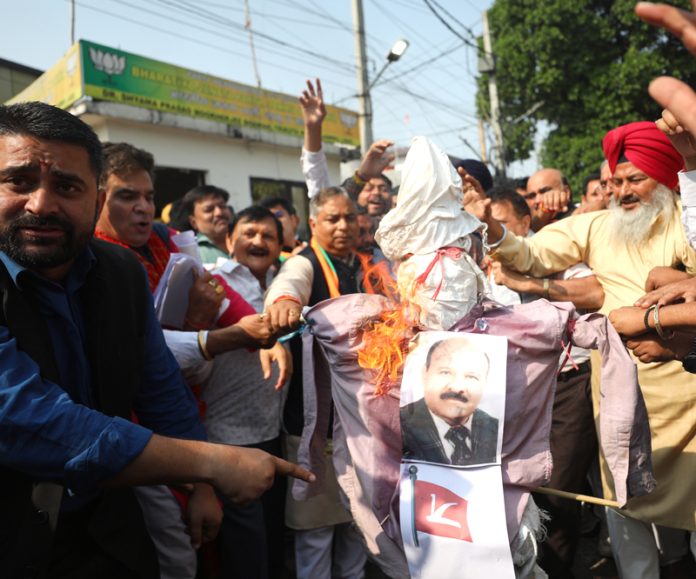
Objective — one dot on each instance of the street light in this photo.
(396, 52)
(364, 85)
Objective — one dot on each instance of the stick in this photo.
(577, 497)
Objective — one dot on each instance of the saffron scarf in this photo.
(327, 268)
(375, 277)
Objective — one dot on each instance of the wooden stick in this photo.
(577, 497)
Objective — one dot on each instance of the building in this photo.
(14, 78)
(200, 128)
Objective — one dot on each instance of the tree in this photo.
(588, 62)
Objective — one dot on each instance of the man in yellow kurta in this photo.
(640, 230)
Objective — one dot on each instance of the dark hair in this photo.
(123, 159)
(521, 183)
(476, 169)
(586, 181)
(387, 180)
(505, 193)
(256, 214)
(197, 194)
(50, 123)
(382, 176)
(177, 220)
(269, 202)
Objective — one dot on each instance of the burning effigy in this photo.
(427, 514)
(428, 234)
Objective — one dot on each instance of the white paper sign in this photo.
(453, 522)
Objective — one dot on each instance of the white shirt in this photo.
(184, 346)
(243, 407)
(315, 170)
(241, 280)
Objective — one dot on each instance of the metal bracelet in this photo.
(658, 327)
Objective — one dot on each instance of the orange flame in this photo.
(385, 345)
(377, 278)
(386, 337)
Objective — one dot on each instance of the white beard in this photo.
(633, 227)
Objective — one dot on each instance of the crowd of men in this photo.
(133, 450)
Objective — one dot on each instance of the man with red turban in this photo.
(640, 230)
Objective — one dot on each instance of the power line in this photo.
(393, 17)
(452, 108)
(331, 17)
(419, 91)
(453, 17)
(270, 16)
(190, 24)
(196, 40)
(216, 18)
(452, 30)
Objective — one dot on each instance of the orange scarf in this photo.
(158, 250)
(375, 277)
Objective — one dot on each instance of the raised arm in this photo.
(373, 164)
(313, 115)
(314, 166)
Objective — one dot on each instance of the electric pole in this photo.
(364, 99)
(247, 25)
(489, 67)
(482, 141)
(72, 22)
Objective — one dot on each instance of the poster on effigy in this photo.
(453, 522)
(453, 399)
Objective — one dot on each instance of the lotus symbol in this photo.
(111, 64)
(348, 121)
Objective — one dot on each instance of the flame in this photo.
(377, 278)
(386, 337)
(385, 345)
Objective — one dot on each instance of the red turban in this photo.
(648, 148)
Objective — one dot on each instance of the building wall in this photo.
(228, 163)
(14, 78)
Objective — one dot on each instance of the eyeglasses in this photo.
(279, 213)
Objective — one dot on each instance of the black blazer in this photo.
(421, 440)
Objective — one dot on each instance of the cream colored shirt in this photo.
(669, 391)
(622, 271)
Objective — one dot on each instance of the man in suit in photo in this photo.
(446, 426)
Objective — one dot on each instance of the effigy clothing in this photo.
(367, 433)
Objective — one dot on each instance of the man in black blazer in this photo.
(446, 425)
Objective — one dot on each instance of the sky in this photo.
(430, 91)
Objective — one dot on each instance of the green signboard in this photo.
(109, 74)
(114, 75)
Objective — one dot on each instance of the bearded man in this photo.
(80, 351)
(640, 230)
